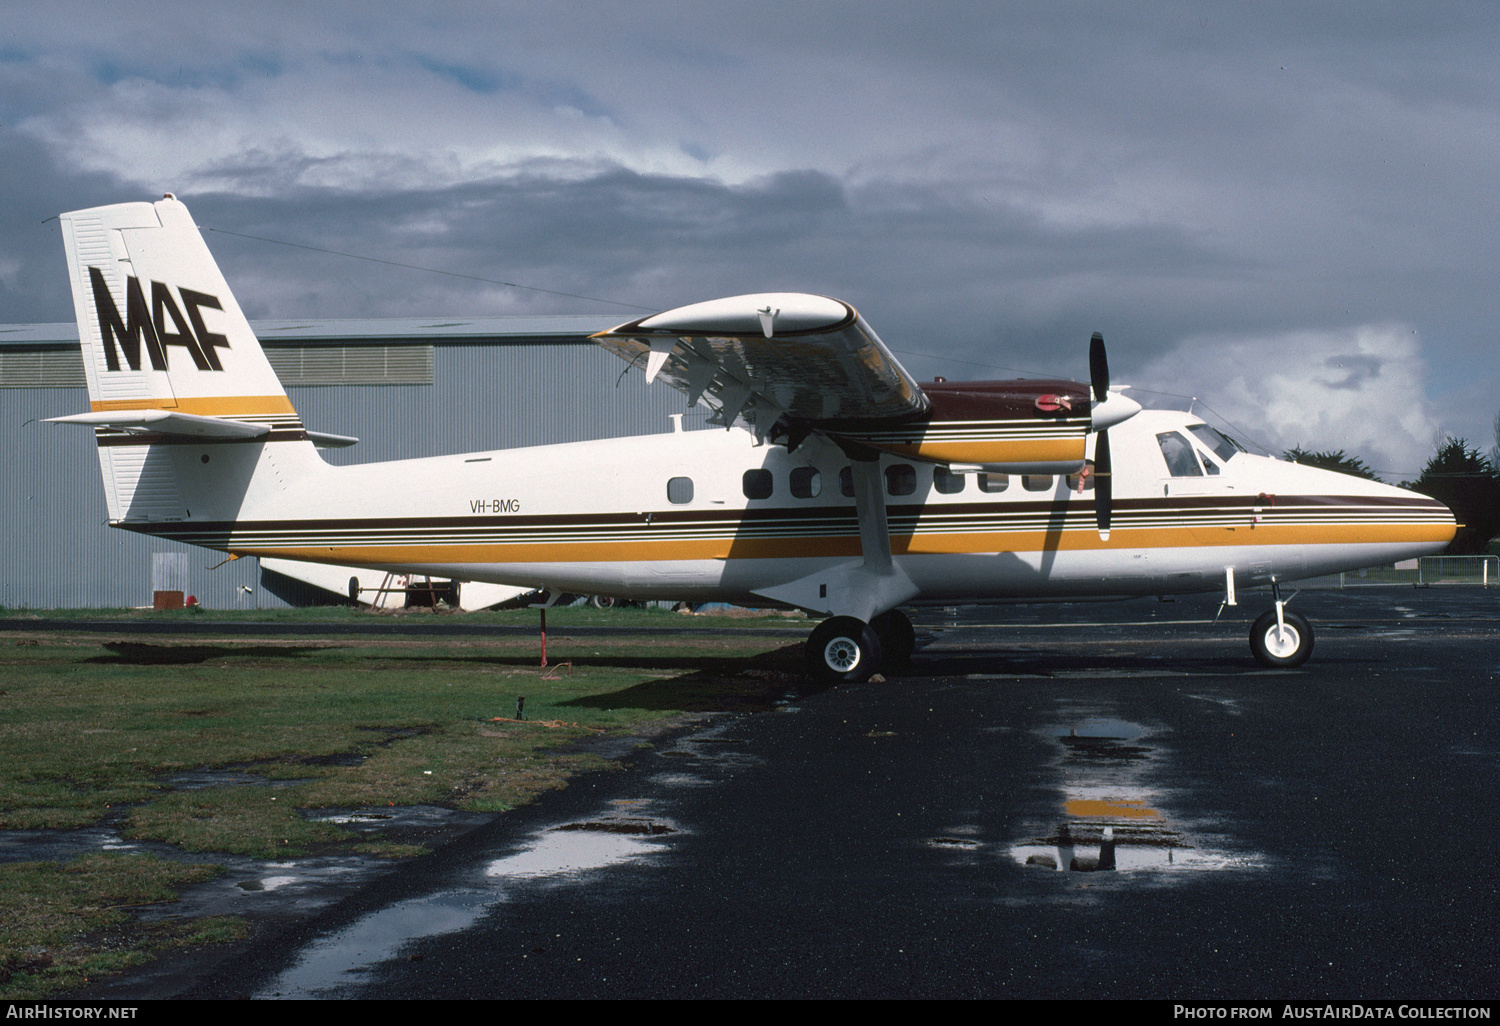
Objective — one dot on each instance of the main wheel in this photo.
(898, 639)
(1282, 648)
(842, 649)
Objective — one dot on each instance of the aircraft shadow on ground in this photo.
(713, 684)
(139, 653)
(1054, 662)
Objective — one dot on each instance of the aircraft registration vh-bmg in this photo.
(838, 484)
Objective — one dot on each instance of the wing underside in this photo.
(758, 358)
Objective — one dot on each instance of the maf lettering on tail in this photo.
(149, 324)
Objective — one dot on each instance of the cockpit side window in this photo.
(1220, 445)
(1178, 452)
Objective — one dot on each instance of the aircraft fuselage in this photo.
(709, 514)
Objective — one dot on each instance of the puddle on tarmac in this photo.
(1106, 798)
(331, 962)
(699, 759)
(953, 843)
(564, 854)
(267, 883)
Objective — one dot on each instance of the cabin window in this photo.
(680, 490)
(807, 483)
(1178, 453)
(946, 481)
(1036, 482)
(994, 482)
(900, 479)
(846, 482)
(757, 484)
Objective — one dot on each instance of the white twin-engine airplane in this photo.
(839, 486)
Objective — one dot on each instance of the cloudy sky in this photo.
(1286, 210)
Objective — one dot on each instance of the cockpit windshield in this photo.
(1221, 446)
(1178, 453)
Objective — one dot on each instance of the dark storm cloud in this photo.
(933, 274)
(987, 182)
(33, 274)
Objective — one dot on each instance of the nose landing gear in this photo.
(1280, 639)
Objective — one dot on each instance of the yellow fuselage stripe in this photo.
(208, 406)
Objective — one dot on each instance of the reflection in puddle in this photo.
(334, 961)
(569, 853)
(1126, 807)
(1111, 819)
(565, 854)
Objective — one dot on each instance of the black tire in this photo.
(1287, 651)
(842, 650)
(602, 601)
(898, 638)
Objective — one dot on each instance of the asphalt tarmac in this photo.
(1319, 833)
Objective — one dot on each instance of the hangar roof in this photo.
(367, 330)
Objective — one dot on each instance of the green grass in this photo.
(65, 925)
(95, 725)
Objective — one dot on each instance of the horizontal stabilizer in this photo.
(166, 422)
(187, 425)
(323, 440)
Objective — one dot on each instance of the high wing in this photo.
(788, 364)
(760, 357)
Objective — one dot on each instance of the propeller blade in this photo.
(1103, 484)
(1098, 368)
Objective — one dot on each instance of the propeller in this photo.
(1098, 368)
(1103, 479)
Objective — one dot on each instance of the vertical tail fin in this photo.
(169, 358)
(160, 328)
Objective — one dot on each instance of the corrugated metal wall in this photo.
(59, 553)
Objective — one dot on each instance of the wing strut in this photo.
(874, 527)
(865, 587)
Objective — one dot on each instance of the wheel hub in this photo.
(841, 654)
(1281, 642)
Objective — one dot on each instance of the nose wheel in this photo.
(1281, 645)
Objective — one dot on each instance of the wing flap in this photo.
(758, 357)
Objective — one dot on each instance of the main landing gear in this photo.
(843, 649)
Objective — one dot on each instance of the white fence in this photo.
(1481, 570)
